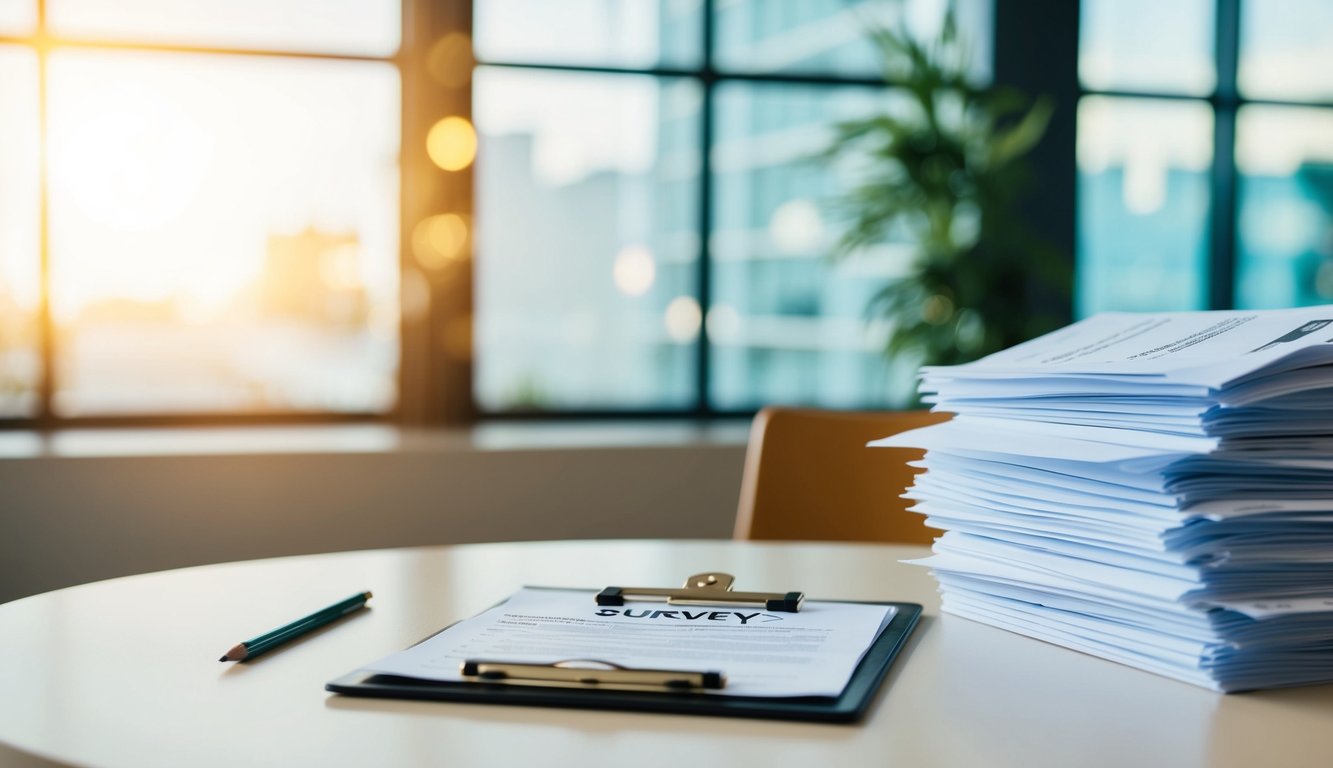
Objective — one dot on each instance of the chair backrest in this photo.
(809, 476)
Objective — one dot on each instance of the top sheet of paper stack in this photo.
(1156, 489)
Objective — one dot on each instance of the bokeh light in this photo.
(796, 227)
(452, 143)
(634, 270)
(683, 319)
(440, 239)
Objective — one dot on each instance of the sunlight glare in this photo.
(341, 268)
(172, 175)
(124, 155)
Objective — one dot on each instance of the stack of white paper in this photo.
(1153, 489)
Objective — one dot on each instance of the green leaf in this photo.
(946, 173)
(1015, 142)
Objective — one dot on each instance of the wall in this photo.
(70, 516)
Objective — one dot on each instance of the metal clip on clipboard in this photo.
(586, 673)
(705, 589)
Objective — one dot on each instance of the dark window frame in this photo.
(1022, 28)
(1226, 101)
(1035, 49)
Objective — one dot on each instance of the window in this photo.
(198, 207)
(1205, 155)
(653, 221)
(268, 209)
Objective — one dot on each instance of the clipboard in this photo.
(848, 707)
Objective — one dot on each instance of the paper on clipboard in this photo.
(762, 653)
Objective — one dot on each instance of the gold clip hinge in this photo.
(704, 589)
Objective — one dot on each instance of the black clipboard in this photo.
(848, 707)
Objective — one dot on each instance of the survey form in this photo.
(761, 653)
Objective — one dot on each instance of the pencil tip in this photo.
(224, 658)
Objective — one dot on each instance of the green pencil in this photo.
(252, 648)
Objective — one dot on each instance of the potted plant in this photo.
(943, 167)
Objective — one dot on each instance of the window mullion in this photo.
(1222, 272)
(46, 381)
(704, 400)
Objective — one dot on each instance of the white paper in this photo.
(761, 653)
(1152, 488)
(1199, 348)
(981, 440)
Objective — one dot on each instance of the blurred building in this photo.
(785, 322)
(313, 277)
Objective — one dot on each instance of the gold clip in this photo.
(588, 673)
(705, 589)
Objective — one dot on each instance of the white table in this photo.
(125, 673)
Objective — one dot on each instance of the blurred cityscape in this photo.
(215, 247)
(20, 361)
(302, 335)
(219, 249)
(566, 329)
(588, 276)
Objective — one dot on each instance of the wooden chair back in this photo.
(809, 476)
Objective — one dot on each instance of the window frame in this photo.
(1021, 28)
(1034, 47)
(709, 78)
(1226, 102)
(42, 42)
